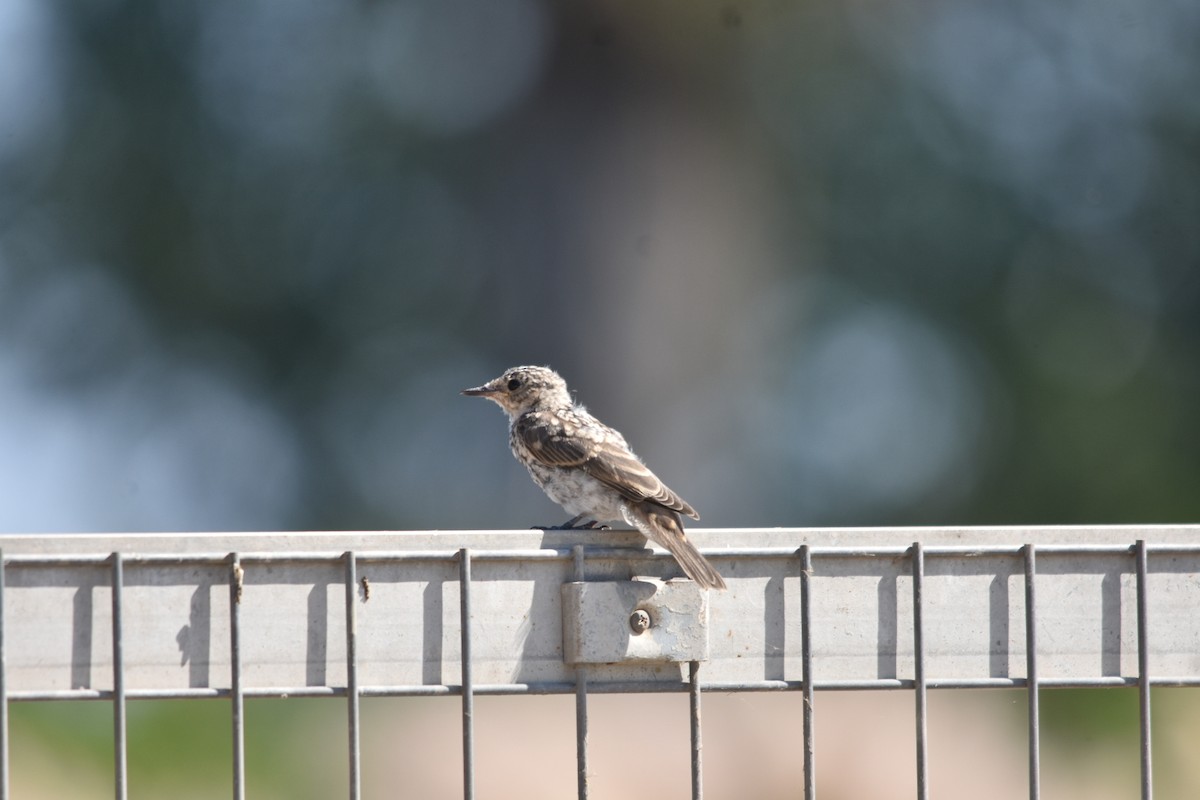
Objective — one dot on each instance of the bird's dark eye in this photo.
(513, 383)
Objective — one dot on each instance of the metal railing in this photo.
(396, 628)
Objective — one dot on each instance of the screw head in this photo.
(639, 622)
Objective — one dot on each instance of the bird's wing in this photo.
(600, 452)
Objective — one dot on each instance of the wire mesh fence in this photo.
(467, 614)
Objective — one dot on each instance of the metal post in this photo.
(1031, 674)
(236, 583)
(120, 759)
(918, 572)
(1144, 670)
(3, 695)
(694, 697)
(806, 673)
(581, 689)
(352, 698)
(468, 687)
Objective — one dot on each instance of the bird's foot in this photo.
(573, 525)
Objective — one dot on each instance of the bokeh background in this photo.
(823, 262)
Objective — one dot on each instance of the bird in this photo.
(588, 468)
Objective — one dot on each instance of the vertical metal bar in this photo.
(1144, 670)
(3, 694)
(806, 673)
(468, 685)
(352, 698)
(120, 755)
(1031, 674)
(918, 573)
(694, 696)
(581, 688)
(235, 679)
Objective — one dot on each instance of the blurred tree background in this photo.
(824, 263)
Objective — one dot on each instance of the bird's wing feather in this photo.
(547, 441)
(601, 453)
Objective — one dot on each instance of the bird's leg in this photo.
(570, 525)
(591, 525)
(573, 525)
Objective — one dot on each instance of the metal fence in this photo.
(518, 613)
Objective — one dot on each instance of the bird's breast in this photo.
(576, 491)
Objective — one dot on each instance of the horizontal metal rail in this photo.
(408, 620)
(598, 552)
(596, 687)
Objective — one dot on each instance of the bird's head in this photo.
(521, 389)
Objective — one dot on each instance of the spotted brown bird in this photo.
(588, 468)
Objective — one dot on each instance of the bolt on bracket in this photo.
(643, 620)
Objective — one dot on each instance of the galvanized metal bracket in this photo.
(643, 620)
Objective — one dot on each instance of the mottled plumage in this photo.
(588, 468)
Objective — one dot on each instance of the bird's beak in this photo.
(480, 391)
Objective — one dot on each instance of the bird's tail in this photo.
(665, 528)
